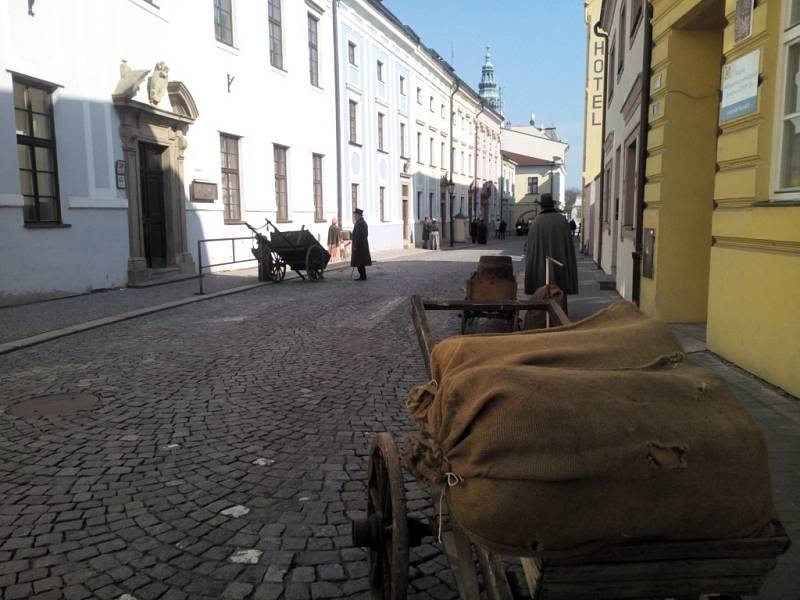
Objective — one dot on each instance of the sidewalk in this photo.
(39, 321)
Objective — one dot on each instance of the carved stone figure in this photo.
(129, 81)
(157, 84)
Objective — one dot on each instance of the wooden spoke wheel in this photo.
(315, 263)
(278, 271)
(385, 531)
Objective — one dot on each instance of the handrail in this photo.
(201, 266)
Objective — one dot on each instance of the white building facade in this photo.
(156, 141)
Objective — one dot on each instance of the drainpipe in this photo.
(452, 159)
(338, 113)
(641, 178)
(475, 178)
(600, 33)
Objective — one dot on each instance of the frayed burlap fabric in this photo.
(588, 434)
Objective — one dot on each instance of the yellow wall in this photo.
(753, 262)
(523, 201)
(594, 96)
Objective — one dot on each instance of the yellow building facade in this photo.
(723, 179)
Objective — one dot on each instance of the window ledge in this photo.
(280, 71)
(284, 221)
(383, 151)
(320, 220)
(232, 222)
(229, 48)
(36, 225)
(776, 203)
(356, 144)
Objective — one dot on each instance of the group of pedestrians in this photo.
(360, 257)
(431, 234)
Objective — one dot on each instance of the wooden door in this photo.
(154, 226)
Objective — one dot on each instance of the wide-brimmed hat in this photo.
(358, 211)
(546, 201)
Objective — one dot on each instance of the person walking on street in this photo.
(435, 234)
(573, 226)
(359, 256)
(426, 233)
(503, 227)
(549, 236)
(481, 232)
(334, 239)
(473, 230)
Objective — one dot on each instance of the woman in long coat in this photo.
(334, 239)
(549, 235)
(359, 255)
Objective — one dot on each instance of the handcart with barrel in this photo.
(299, 250)
(642, 569)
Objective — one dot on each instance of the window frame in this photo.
(402, 85)
(217, 24)
(789, 38)
(403, 141)
(381, 132)
(353, 122)
(316, 169)
(352, 57)
(275, 56)
(533, 184)
(419, 95)
(637, 12)
(354, 196)
(31, 141)
(227, 216)
(313, 51)
(281, 209)
(623, 16)
(379, 68)
(419, 147)
(629, 188)
(382, 200)
(431, 160)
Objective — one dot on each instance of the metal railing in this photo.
(201, 266)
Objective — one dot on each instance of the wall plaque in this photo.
(119, 170)
(204, 191)
(740, 87)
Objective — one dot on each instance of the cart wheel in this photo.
(278, 269)
(386, 529)
(315, 263)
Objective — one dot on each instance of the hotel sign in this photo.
(740, 87)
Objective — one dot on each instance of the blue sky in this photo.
(538, 51)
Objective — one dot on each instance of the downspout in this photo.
(600, 33)
(338, 114)
(475, 172)
(644, 127)
(452, 159)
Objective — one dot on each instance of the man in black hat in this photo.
(359, 254)
(550, 235)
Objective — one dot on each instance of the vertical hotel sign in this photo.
(596, 76)
(740, 87)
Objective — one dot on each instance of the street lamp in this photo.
(451, 190)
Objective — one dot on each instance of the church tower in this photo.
(488, 86)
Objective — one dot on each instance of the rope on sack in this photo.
(452, 481)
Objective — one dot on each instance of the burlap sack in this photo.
(589, 434)
(537, 319)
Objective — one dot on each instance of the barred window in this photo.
(313, 50)
(229, 158)
(281, 192)
(317, 164)
(223, 21)
(36, 151)
(275, 34)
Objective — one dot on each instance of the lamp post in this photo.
(450, 190)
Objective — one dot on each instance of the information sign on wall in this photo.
(204, 191)
(740, 87)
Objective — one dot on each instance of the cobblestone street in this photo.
(225, 454)
(218, 449)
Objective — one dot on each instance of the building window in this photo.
(442, 111)
(441, 161)
(419, 205)
(637, 10)
(419, 147)
(354, 195)
(316, 160)
(380, 132)
(419, 95)
(621, 36)
(313, 50)
(382, 198)
(612, 55)
(617, 181)
(351, 53)
(533, 185)
(402, 140)
(275, 35)
(281, 191)
(229, 158)
(629, 199)
(462, 163)
(607, 194)
(402, 85)
(430, 104)
(432, 153)
(223, 21)
(789, 135)
(380, 71)
(36, 150)
(353, 122)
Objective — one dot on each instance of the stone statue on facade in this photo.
(129, 81)
(157, 84)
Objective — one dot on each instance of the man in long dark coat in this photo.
(550, 235)
(359, 254)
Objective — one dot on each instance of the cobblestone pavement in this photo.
(225, 454)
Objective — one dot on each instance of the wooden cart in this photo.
(300, 250)
(725, 569)
(492, 283)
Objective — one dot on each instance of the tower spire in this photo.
(488, 86)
